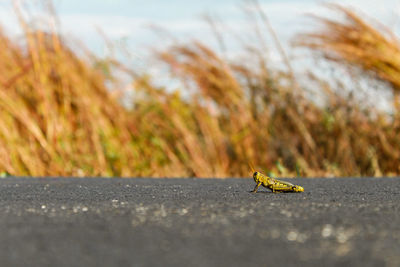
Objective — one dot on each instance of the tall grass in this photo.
(363, 43)
(57, 116)
(60, 115)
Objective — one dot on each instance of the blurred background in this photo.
(175, 89)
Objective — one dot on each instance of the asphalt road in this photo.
(198, 222)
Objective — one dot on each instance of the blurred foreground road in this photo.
(198, 222)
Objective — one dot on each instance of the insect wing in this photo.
(283, 183)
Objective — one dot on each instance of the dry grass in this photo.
(360, 42)
(58, 117)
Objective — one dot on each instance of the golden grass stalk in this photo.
(358, 41)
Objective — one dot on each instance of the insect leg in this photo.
(256, 188)
(271, 185)
(275, 188)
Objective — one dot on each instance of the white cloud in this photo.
(113, 26)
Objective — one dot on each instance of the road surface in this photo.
(198, 222)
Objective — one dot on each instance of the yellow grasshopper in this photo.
(274, 185)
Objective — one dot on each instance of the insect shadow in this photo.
(270, 192)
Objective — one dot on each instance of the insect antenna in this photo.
(251, 167)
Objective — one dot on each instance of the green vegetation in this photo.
(61, 111)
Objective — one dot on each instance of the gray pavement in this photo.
(198, 222)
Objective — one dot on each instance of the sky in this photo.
(132, 21)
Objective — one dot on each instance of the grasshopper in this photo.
(274, 185)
